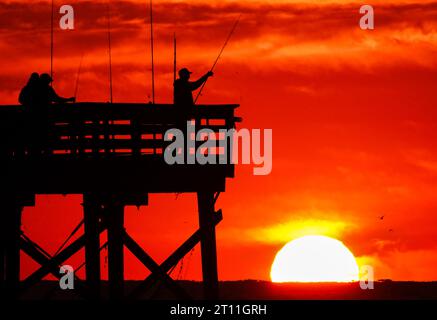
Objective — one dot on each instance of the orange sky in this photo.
(353, 117)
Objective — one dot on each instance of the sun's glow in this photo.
(314, 259)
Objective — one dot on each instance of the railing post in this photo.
(135, 137)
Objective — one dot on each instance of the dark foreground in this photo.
(262, 290)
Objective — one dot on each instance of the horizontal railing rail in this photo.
(103, 129)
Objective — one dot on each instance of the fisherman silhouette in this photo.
(46, 94)
(183, 88)
(28, 94)
(36, 97)
(183, 97)
(27, 98)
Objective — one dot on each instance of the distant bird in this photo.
(390, 230)
(381, 217)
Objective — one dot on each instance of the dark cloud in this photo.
(205, 20)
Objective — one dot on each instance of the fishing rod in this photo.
(51, 40)
(219, 55)
(109, 53)
(111, 122)
(174, 57)
(151, 46)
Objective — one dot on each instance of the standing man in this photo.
(45, 96)
(183, 88)
(183, 98)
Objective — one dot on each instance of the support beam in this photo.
(205, 201)
(56, 261)
(149, 263)
(2, 259)
(3, 242)
(11, 244)
(114, 213)
(31, 249)
(173, 259)
(92, 211)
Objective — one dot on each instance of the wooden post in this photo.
(136, 137)
(2, 261)
(92, 210)
(115, 217)
(3, 242)
(205, 201)
(11, 244)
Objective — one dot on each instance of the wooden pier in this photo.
(112, 154)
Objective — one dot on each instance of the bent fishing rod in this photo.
(219, 55)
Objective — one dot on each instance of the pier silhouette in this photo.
(112, 154)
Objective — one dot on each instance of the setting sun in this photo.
(314, 259)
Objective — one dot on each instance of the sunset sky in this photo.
(353, 113)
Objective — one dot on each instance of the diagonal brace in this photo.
(175, 257)
(149, 263)
(57, 260)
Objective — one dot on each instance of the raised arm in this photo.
(196, 84)
(56, 98)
